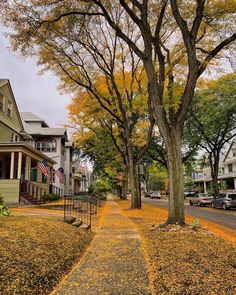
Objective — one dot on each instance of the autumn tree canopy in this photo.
(175, 41)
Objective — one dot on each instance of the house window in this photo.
(15, 137)
(53, 175)
(230, 167)
(2, 100)
(234, 152)
(46, 145)
(9, 108)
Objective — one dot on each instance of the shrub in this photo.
(52, 197)
(4, 211)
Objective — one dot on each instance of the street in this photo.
(225, 218)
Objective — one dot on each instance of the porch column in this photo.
(12, 165)
(48, 179)
(19, 165)
(27, 167)
(204, 186)
(39, 174)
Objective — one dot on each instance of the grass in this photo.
(184, 260)
(36, 252)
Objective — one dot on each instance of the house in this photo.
(54, 143)
(81, 177)
(21, 180)
(226, 173)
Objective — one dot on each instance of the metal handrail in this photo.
(80, 209)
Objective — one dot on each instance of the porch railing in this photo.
(30, 193)
(55, 190)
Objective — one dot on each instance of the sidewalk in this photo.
(114, 264)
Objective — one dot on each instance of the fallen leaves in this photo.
(36, 252)
(184, 260)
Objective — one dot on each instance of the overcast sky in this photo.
(34, 93)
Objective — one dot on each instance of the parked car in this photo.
(224, 201)
(201, 199)
(189, 194)
(155, 195)
(147, 194)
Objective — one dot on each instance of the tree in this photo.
(175, 40)
(213, 120)
(85, 112)
(96, 139)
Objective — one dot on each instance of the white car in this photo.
(201, 199)
(155, 195)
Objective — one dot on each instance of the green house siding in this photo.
(14, 121)
(5, 132)
(9, 190)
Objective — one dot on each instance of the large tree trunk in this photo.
(119, 190)
(176, 185)
(125, 184)
(214, 163)
(133, 179)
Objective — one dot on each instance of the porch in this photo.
(21, 180)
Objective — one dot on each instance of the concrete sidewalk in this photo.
(114, 264)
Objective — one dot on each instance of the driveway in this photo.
(218, 216)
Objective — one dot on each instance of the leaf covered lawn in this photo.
(36, 252)
(184, 261)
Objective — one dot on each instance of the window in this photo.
(234, 152)
(2, 101)
(9, 108)
(15, 137)
(230, 167)
(53, 175)
(46, 145)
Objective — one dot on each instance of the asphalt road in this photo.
(226, 218)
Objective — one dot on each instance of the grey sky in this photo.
(33, 93)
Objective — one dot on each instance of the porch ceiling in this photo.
(8, 147)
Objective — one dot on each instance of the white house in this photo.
(226, 173)
(54, 143)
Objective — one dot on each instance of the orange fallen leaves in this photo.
(185, 261)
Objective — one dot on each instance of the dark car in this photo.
(201, 199)
(147, 194)
(224, 201)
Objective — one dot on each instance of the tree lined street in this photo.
(225, 218)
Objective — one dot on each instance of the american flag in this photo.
(43, 166)
(60, 174)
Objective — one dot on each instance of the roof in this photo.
(2, 83)
(30, 117)
(28, 147)
(61, 132)
(69, 144)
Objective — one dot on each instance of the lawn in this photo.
(35, 253)
(188, 260)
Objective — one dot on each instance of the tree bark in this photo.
(175, 170)
(135, 204)
(125, 184)
(214, 159)
(119, 191)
